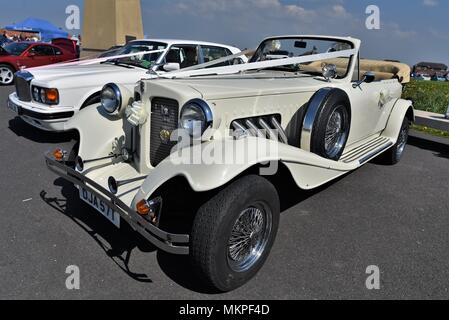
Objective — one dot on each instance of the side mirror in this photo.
(367, 78)
(32, 54)
(171, 67)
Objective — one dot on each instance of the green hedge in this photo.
(432, 96)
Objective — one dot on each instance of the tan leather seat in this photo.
(383, 70)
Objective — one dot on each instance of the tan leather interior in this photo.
(384, 70)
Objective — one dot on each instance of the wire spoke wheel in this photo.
(335, 135)
(402, 141)
(249, 238)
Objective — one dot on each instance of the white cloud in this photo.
(431, 3)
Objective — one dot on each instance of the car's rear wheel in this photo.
(6, 75)
(233, 233)
(394, 155)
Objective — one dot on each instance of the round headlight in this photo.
(36, 94)
(196, 117)
(111, 98)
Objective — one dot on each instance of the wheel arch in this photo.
(91, 99)
(6, 63)
(402, 109)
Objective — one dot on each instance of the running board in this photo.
(367, 151)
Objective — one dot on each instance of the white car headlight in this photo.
(196, 117)
(111, 98)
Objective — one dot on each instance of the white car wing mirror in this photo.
(171, 67)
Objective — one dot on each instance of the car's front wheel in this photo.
(6, 75)
(233, 233)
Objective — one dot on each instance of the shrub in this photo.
(432, 96)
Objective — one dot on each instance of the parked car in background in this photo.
(439, 78)
(423, 77)
(111, 52)
(315, 116)
(47, 97)
(16, 56)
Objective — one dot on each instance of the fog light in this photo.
(143, 208)
(59, 155)
(52, 96)
(150, 210)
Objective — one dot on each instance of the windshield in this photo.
(282, 48)
(16, 49)
(144, 60)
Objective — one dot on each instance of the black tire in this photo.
(394, 155)
(335, 103)
(216, 220)
(9, 71)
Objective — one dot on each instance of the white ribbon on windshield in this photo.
(257, 65)
(88, 62)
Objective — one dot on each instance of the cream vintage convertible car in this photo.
(191, 160)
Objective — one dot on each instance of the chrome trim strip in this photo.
(309, 119)
(271, 133)
(255, 129)
(375, 152)
(282, 134)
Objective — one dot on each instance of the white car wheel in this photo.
(6, 75)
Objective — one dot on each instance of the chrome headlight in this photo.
(111, 98)
(196, 117)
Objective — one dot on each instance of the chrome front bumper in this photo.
(171, 243)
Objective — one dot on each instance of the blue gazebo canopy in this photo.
(47, 30)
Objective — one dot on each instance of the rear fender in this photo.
(402, 108)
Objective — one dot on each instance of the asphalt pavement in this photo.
(395, 218)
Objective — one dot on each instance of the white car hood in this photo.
(88, 75)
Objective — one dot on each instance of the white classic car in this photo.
(193, 161)
(47, 97)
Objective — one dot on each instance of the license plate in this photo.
(14, 107)
(100, 206)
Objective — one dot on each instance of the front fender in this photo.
(199, 167)
(402, 108)
(97, 130)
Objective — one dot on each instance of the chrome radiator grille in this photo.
(164, 120)
(23, 84)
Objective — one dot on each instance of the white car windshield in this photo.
(281, 48)
(145, 61)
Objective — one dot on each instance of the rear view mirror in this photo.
(300, 44)
(171, 67)
(367, 78)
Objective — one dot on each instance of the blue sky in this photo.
(411, 30)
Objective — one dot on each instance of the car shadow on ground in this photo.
(23, 129)
(117, 244)
(440, 149)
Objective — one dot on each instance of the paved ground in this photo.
(394, 217)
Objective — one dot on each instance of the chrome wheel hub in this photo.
(6, 76)
(249, 238)
(335, 135)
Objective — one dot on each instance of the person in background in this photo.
(4, 36)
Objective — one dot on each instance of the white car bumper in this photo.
(43, 117)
